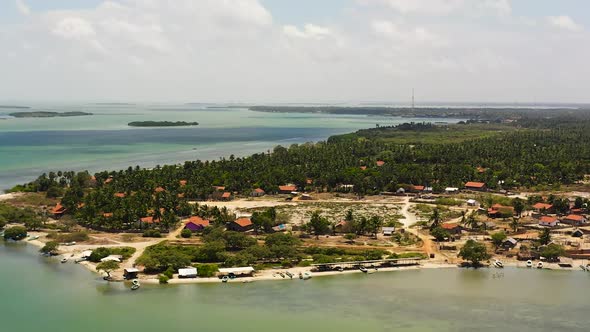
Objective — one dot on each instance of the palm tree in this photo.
(470, 221)
(435, 218)
(514, 224)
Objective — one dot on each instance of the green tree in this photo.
(435, 218)
(514, 224)
(518, 205)
(498, 238)
(50, 248)
(474, 252)
(186, 233)
(107, 267)
(375, 224)
(15, 233)
(552, 251)
(440, 234)
(545, 236)
(318, 225)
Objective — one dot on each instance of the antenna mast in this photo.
(412, 99)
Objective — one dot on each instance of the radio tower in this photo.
(412, 99)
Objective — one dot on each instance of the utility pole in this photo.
(413, 99)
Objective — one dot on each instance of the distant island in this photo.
(14, 107)
(43, 114)
(162, 124)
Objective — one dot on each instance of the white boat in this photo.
(306, 275)
(529, 263)
(64, 260)
(33, 238)
(498, 264)
(135, 286)
(540, 265)
(583, 267)
(363, 269)
(371, 271)
(225, 279)
(135, 282)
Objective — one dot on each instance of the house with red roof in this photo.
(241, 225)
(226, 196)
(478, 186)
(574, 220)
(548, 221)
(452, 228)
(58, 211)
(418, 188)
(196, 223)
(159, 190)
(149, 220)
(258, 192)
(287, 189)
(543, 208)
(182, 183)
(379, 163)
(120, 195)
(500, 211)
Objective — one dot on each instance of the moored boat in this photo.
(64, 260)
(363, 269)
(306, 275)
(540, 265)
(225, 279)
(529, 263)
(498, 264)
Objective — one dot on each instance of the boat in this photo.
(371, 271)
(529, 263)
(498, 264)
(135, 286)
(282, 275)
(64, 260)
(300, 275)
(306, 275)
(363, 269)
(582, 267)
(289, 274)
(135, 282)
(225, 279)
(540, 265)
(32, 238)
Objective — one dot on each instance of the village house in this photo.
(148, 221)
(258, 192)
(189, 272)
(418, 189)
(130, 273)
(182, 183)
(543, 208)
(287, 189)
(478, 186)
(472, 202)
(196, 224)
(240, 225)
(388, 231)
(578, 233)
(574, 220)
(379, 163)
(452, 228)
(58, 211)
(509, 243)
(451, 190)
(548, 221)
(500, 211)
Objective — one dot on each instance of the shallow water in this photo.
(31, 146)
(40, 293)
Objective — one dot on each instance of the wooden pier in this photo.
(380, 263)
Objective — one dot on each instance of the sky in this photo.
(295, 51)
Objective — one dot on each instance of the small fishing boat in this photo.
(225, 279)
(363, 269)
(540, 265)
(498, 264)
(306, 275)
(135, 282)
(529, 263)
(371, 271)
(300, 275)
(282, 275)
(583, 267)
(64, 260)
(32, 238)
(289, 274)
(135, 286)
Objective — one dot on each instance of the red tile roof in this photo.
(108, 180)
(481, 170)
(120, 195)
(160, 189)
(548, 219)
(541, 206)
(309, 181)
(419, 188)
(244, 222)
(181, 195)
(58, 209)
(182, 183)
(259, 190)
(149, 220)
(380, 163)
(287, 188)
(449, 226)
(226, 195)
(107, 214)
(472, 184)
(196, 220)
(575, 217)
(363, 168)
(219, 188)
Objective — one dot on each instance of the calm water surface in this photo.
(31, 146)
(37, 293)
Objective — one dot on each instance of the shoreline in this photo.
(273, 274)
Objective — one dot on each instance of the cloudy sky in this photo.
(296, 51)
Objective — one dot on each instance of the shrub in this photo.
(152, 233)
(15, 233)
(102, 252)
(186, 233)
(207, 270)
(69, 237)
(169, 272)
(162, 279)
(50, 247)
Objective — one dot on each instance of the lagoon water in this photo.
(38, 293)
(31, 146)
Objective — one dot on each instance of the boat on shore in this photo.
(64, 260)
(540, 265)
(135, 284)
(529, 263)
(498, 264)
(363, 269)
(225, 279)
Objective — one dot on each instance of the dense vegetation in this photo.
(162, 124)
(44, 114)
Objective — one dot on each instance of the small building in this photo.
(418, 189)
(500, 211)
(305, 197)
(400, 191)
(341, 226)
(478, 186)
(574, 220)
(241, 225)
(226, 196)
(218, 188)
(509, 243)
(86, 254)
(196, 223)
(182, 183)
(379, 163)
(388, 231)
(287, 189)
(452, 228)
(451, 190)
(159, 190)
(130, 273)
(578, 233)
(543, 208)
(280, 228)
(548, 221)
(236, 271)
(472, 202)
(189, 272)
(149, 220)
(258, 192)
(58, 211)
(120, 195)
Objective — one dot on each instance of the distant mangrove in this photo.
(162, 124)
(44, 114)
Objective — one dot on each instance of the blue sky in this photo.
(296, 50)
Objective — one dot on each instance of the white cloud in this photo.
(22, 7)
(309, 31)
(413, 35)
(443, 7)
(564, 22)
(73, 28)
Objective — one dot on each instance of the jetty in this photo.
(375, 264)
